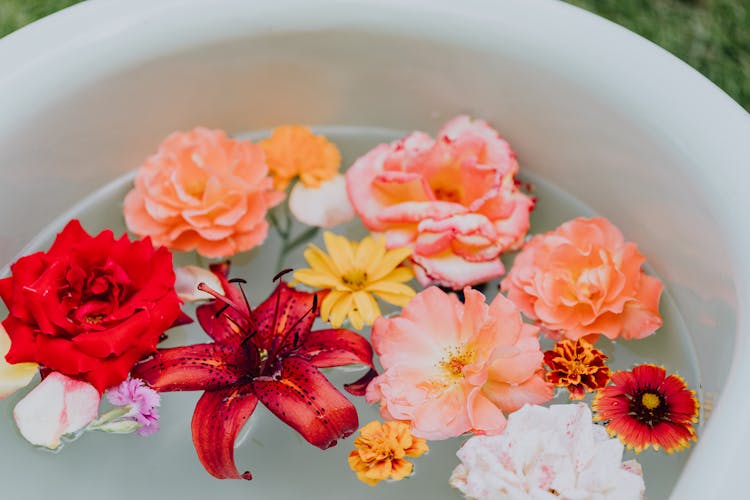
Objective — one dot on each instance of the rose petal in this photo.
(58, 405)
(13, 376)
(450, 270)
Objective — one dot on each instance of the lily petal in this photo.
(219, 416)
(13, 377)
(302, 397)
(193, 368)
(58, 405)
(294, 308)
(228, 326)
(339, 347)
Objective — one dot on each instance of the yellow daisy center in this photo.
(650, 400)
(355, 279)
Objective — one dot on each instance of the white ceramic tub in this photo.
(609, 118)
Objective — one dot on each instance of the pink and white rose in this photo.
(452, 199)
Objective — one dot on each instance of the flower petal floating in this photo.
(381, 450)
(547, 453)
(13, 377)
(59, 405)
(354, 272)
(267, 354)
(294, 151)
(203, 191)
(582, 280)
(90, 307)
(324, 206)
(187, 279)
(577, 366)
(142, 401)
(453, 200)
(452, 368)
(645, 407)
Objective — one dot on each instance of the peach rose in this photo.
(583, 279)
(203, 191)
(452, 368)
(453, 200)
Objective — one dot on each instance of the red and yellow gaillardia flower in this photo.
(645, 407)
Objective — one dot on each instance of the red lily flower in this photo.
(267, 354)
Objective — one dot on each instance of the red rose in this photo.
(90, 307)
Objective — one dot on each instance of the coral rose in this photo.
(90, 307)
(204, 191)
(583, 279)
(453, 200)
(452, 368)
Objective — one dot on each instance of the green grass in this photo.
(713, 36)
(17, 13)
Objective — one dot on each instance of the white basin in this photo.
(591, 108)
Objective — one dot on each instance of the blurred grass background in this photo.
(713, 36)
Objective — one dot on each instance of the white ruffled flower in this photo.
(548, 453)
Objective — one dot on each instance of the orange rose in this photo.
(203, 191)
(583, 279)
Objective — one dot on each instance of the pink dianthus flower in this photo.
(143, 401)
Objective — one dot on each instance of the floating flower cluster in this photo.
(87, 316)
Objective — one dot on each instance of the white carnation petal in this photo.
(325, 206)
(543, 450)
(58, 405)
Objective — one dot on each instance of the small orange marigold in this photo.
(380, 451)
(294, 151)
(578, 366)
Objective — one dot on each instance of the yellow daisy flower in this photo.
(353, 272)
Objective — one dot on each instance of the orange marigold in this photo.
(578, 366)
(380, 451)
(294, 151)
